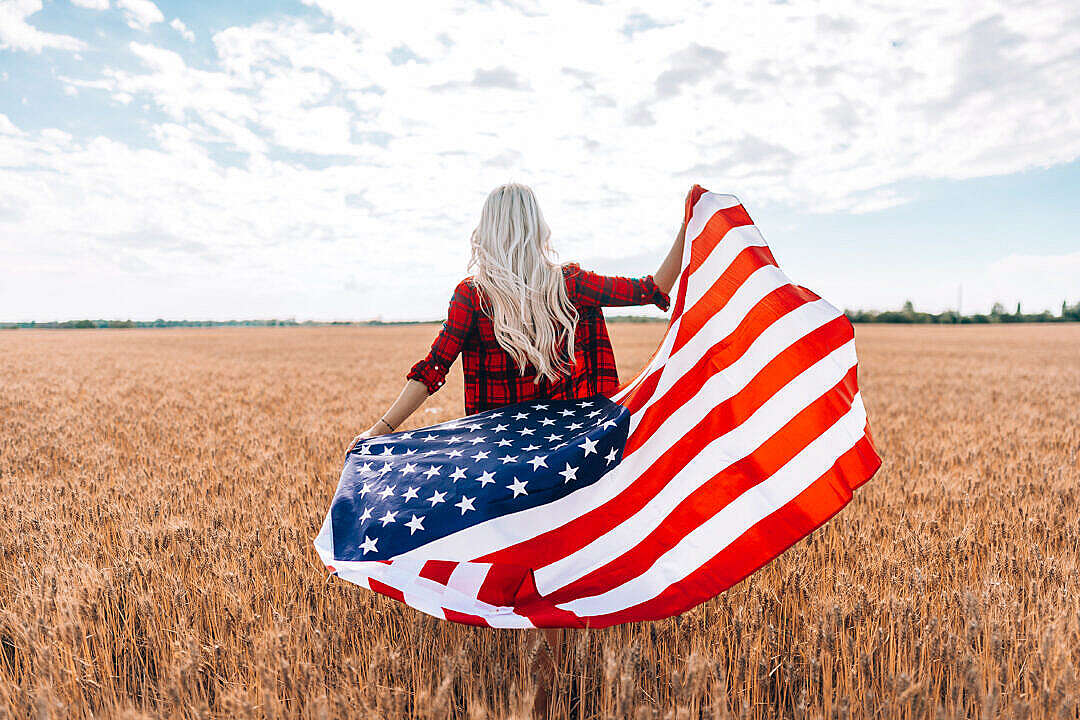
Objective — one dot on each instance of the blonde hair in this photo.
(521, 285)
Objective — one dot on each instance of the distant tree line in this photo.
(998, 314)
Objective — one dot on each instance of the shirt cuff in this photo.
(655, 295)
(430, 373)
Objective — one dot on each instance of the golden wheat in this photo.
(160, 490)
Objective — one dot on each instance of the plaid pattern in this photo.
(492, 378)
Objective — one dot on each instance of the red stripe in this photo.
(438, 570)
(715, 230)
(760, 544)
(386, 590)
(717, 492)
(465, 618)
(745, 264)
(548, 547)
(729, 350)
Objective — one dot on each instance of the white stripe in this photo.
(706, 206)
(719, 261)
(757, 503)
(502, 532)
(714, 458)
(468, 577)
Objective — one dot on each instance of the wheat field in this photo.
(161, 488)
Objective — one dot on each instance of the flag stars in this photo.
(574, 426)
(518, 486)
(503, 442)
(365, 490)
(486, 479)
(553, 437)
(610, 457)
(589, 445)
(417, 523)
(458, 474)
(526, 431)
(365, 468)
(369, 544)
(410, 494)
(388, 450)
(387, 467)
(465, 504)
(500, 428)
(455, 453)
(566, 413)
(477, 439)
(366, 515)
(436, 498)
(409, 468)
(609, 423)
(547, 421)
(538, 461)
(387, 518)
(594, 413)
(521, 416)
(481, 455)
(570, 473)
(432, 471)
(387, 491)
(531, 448)
(508, 459)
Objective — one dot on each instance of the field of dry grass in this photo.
(160, 490)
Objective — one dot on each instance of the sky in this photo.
(328, 159)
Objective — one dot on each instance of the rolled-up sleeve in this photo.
(612, 290)
(432, 369)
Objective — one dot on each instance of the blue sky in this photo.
(327, 159)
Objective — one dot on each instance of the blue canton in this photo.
(403, 490)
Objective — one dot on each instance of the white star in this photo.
(570, 473)
(387, 518)
(436, 498)
(365, 490)
(526, 431)
(521, 416)
(369, 544)
(586, 404)
(454, 439)
(518, 487)
(553, 437)
(388, 450)
(477, 439)
(429, 437)
(498, 414)
(410, 451)
(574, 426)
(388, 491)
(486, 479)
(594, 413)
(566, 413)
(609, 423)
(410, 494)
(499, 428)
(432, 471)
(387, 467)
(541, 407)
(366, 467)
(547, 421)
(531, 448)
(589, 445)
(365, 450)
(458, 474)
(611, 455)
(366, 515)
(465, 504)
(417, 523)
(405, 436)
(455, 453)
(538, 461)
(474, 427)
(481, 455)
(508, 459)
(503, 442)
(409, 467)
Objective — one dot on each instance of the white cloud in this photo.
(140, 14)
(17, 34)
(178, 25)
(92, 4)
(298, 144)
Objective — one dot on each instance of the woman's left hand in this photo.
(369, 433)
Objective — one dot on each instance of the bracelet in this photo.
(383, 421)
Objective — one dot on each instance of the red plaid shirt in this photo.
(492, 378)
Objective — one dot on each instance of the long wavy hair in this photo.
(521, 285)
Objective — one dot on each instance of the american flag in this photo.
(744, 432)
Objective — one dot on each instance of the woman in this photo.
(527, 328)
